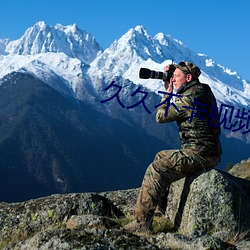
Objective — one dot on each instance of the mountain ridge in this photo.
(42, 38)
(135, 49)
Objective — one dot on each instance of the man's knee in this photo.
(161, 161)
(158, 156)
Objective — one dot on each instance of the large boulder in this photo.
(210, 202)
(19, 221)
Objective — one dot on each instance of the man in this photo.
(195, 112)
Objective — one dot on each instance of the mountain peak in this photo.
(140, 29)
(69, 28)
(167, 40)
(42, 38)
(41, 24)
(133, 48)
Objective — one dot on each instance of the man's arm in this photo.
(166, 114)
(169, 112)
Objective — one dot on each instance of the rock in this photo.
(212, 202)
(241, 169)
(243, 245)
(90, 221)
(20, 220)
(178, 241)
(85, 239)
(209, 210)
(124, 199)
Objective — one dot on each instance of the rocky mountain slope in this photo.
(207, 211)
(51, 143)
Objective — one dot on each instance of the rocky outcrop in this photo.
(241, 169)
(209, 210)
(211, 202)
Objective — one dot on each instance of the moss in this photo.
(123, 220)
(34, 217)
(162, 224)
(15, 235)
(51, 214)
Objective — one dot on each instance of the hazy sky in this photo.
(218, 28)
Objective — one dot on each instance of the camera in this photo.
(145, 73)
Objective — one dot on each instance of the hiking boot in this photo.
(140, 227)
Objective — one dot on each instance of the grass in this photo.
(123, 220)
(239, 237)
(160, 223)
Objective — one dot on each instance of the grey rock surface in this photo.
(212, 202)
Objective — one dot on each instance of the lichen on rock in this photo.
(211, 202)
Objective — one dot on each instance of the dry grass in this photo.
(238, 237)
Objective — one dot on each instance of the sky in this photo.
(217, 28)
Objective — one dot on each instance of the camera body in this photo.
(146, 73)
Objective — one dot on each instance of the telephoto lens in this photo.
(145, 73)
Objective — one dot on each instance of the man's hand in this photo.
(168, 85)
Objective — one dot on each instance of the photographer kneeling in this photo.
(199, 134)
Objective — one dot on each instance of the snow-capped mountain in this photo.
(72, 62)
(64, 73)
(3, 43)
(70, 40)
(137, 49)
(74, 56)
(50, 54)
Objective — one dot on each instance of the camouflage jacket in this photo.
(195, 111)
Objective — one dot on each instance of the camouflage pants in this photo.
(167, 167)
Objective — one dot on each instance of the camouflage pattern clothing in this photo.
(201, 146)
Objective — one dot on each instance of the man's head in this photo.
(185, 72)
